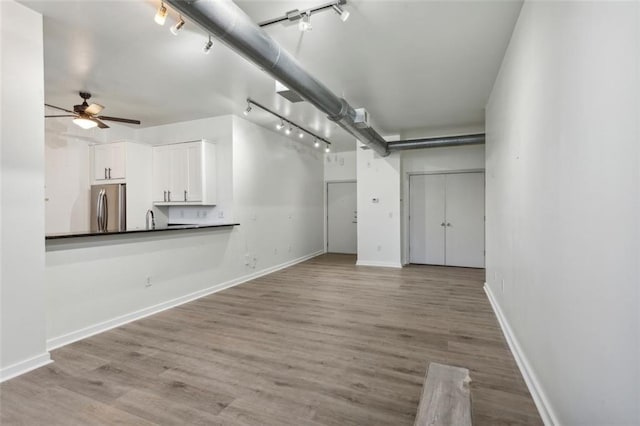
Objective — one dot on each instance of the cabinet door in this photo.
(178, 178)
(194, 171)
(117, 161)
(161, 172)
(427, 219)
(101, 160)
(465, 219)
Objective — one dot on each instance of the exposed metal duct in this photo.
(476, 139)
(232, 26)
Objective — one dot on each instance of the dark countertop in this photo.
(136, 231)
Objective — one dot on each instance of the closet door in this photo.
(427, 219)
(465, 219)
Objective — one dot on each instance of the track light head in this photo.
(301, 134)
(316, 143)
(207, 47)
(178, 26)
(248, 110)
(343, 14)
(327, 149)
(305, 23)
(280, 125)
(161, 14)
(288, 131)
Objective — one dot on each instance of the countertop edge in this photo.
(137, 231)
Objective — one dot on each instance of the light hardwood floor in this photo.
(321, 343)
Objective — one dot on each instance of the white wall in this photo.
(434, 160)
(277, 194)
(562, 206)
(340, 166)
(22, 321)
(379, 230)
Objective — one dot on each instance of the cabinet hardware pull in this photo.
(109, 172)
(185, 195)
(169, 196)
(164, 196)
(105, 173)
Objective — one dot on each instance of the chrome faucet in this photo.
(153, 220)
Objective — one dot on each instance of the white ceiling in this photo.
(411, 64)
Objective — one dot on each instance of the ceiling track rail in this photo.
(438, 142)
(286, 120)
(227, 22)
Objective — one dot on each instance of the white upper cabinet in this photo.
(185, 173)
(109, 161)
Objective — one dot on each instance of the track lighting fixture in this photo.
(305, 23)
(207, 47)
(287, 125)
(161, 14)
(327, 149)
(303, 18)
(343, 14)
(178, 26)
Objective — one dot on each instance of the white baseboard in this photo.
(379, 264)
(24, 366)
(83, 333)
(547, 414)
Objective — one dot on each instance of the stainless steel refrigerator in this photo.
(108, 208)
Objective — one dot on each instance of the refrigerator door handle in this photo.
(98, 210)
(105, 210)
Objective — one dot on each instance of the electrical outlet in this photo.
(148, 282)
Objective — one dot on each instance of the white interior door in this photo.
(465, 219)
(342, 217)
(427, 219)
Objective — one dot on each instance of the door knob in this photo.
(442, 224)
(448, 224)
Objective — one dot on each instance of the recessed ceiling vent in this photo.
(287, 93)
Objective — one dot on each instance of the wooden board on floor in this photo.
(446, 399)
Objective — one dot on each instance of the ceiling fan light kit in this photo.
(85, 123)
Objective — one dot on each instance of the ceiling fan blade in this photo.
(61, 109)
(65, 115)
(120, 120)
(93, 109)
(100, 123)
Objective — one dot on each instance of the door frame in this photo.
(326, 208)
(406, 204)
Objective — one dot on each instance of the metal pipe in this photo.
(232, 26)
(438, 142)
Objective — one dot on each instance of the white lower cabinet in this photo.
(185, 173)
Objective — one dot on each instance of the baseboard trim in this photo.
(547, 414)
(379, 264)
(57, 342)
(25, 366)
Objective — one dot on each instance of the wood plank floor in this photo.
(321, 343)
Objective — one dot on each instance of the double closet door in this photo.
(446, 219)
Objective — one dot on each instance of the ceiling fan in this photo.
(86, 116)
